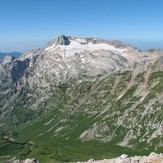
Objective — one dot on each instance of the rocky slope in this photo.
(152, 158)
(88, 92)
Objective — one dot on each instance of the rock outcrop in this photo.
(28, 160)
(152, 158)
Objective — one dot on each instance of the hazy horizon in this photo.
(31, 45)
(26, 25)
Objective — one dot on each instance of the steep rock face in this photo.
(61, 40)
(12, 69)
(5, 68)
(18, 69)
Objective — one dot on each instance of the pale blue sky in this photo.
(28, 24)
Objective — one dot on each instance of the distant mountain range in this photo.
(81, 98)
(14, 54)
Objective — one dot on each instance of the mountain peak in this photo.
(60, 40)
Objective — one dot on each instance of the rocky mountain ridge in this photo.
(77, 57)
(81, 91)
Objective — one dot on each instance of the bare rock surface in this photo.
(28, 160)
(152, 158)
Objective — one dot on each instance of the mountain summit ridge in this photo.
(60, 40)
(65, 58)
(79, 94)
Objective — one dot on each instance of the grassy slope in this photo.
(81, 107)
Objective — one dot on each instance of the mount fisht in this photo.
(79, 98)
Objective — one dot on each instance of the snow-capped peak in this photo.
(72, 45)
(67, 47)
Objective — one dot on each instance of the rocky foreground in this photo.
(26, 161)
(152, 158)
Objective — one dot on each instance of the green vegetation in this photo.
(86, 120)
